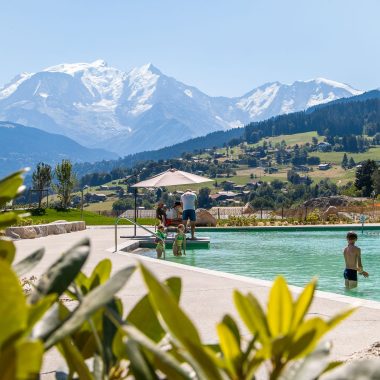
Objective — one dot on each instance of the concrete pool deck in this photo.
(206, 295)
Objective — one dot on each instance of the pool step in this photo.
(149, 242)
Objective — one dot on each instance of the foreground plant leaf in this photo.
(63, 272)
(10, 186)
(180, 327)
(7, 250)
(13, 308)
(280, 308)
(27, 264)
(94, 300)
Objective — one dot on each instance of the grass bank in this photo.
(91, 218)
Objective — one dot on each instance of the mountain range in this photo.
(22, 146)
(127, 112)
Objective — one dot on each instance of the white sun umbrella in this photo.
(172, 177)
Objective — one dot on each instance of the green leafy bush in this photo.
(155, 339)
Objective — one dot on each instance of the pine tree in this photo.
(351, 163)
(344, 163)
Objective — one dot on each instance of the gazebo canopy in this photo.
(172, 177)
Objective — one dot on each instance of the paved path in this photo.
(206, 295)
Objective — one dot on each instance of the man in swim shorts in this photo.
(352, 258)
(188, 206)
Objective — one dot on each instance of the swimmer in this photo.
(352, 258)
(179, 241)
(160, 241)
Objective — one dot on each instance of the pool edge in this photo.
(352, 301)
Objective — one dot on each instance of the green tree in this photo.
(351, 163)
(344, 163)
(363, 177)
(376, 181)
(204, 200)
(41, 179)
(123, 205)
(66, 182)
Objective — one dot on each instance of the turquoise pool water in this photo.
(297, 255)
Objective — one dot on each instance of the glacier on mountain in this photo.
(143, 109)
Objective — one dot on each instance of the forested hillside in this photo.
(215, 139)
(339, 120)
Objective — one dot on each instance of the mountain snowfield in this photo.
(143, 109)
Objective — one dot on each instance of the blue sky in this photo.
(223, 47)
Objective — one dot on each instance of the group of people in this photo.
(185, 210)
(179, 215)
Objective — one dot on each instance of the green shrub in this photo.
(155, 339)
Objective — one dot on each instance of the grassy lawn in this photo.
(91, 218)
(336, 157)
(100, 206)
(291, 140)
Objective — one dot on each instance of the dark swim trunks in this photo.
(350, 274)
(189, 214)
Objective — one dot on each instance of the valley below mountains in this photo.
(128, 112)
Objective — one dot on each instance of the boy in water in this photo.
(180, 241)
(352, 257)
(160, 241)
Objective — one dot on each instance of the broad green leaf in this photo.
(232, 325)
(280, 346)
(60, 275)
(144, 317)
(252, 315)
(7, 250)
(100, 274)
(280, 308)
(9, 187)
(37, 310)
(139, 365)
(29, 360)
(332, 365)
(109, 331)
(303, 343)
(165, 303)
(74, 359)
(27, 264)
(162, 360)
(202, 362)
(94, 300)
(302, 304)
(307, 337)
(13, 308)
(180, 326)
(230, 348)
(8, 219)
(336, 319)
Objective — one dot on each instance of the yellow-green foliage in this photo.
(156, 339)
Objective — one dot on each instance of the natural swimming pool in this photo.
(297, 255)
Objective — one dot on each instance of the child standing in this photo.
(352, 258)
(180, 241)
(160, 241)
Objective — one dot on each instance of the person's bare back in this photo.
(353, 260)
(352, 257)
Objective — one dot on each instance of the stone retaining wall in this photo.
(40, 230)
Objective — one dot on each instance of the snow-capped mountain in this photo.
(143, 109)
